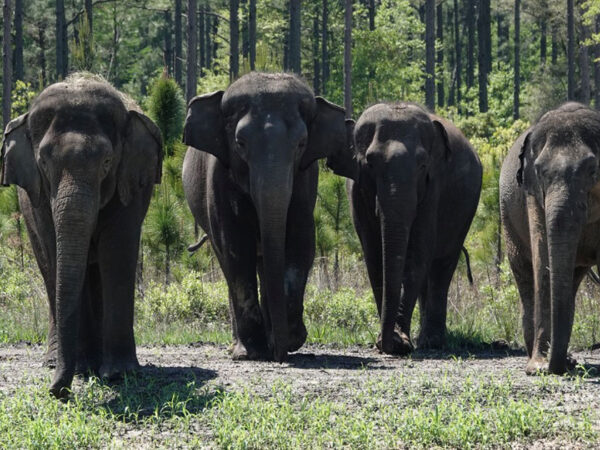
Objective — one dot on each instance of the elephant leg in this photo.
(300, 254)
(418, 261)
(368, 230)
(40, 229)
(523, 272)
(89, 351)
(541, 289)
(434, 303)
(250, 329)
(118, 247)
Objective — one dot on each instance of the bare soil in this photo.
(328, 372)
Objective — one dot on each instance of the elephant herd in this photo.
(85, 160)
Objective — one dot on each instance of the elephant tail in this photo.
(594, 276)
(192, 248)
(468, 261)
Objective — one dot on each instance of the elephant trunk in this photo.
(272, 200)
(74, 215)
(563, 225)
(395, 231)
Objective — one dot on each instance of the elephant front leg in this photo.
(118, 248)
(434, 303)
(251, 340)
(237, 256)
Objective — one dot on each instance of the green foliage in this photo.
(166, 107)
(189, 300)
(82, 46)
(22, 96)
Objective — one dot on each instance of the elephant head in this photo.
(264, 130)
(559, 172)
(398, 149)
(77, 150)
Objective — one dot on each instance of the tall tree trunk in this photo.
(201, 42)
(597, 66)
(570, 52)
(62, 62)
(500, 37)
(348, 58)
(89, 13)
(245, 31)
(178, 43)
(18, 40)
(324, 50)
(234, 40)
(295, 59)
(517, 64)
(440, 54)
(584, 66)
(7, 62)
(430, 54)
(41, 43)
(192, 51)
(543, 39)
(207, 40)
(458, 56)
(470, 43)
(88, 43)
(286, 36)
(168, 43)
(316, 53)
(371, 15)
(215, 43)
(252, 33)
(484, 63)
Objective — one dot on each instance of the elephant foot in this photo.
(115, 369)
(536, 366)
(61, 384)
(86, 366)
(49, 359)
(401, 344)
(568, 365)
(435, 341)
(249, 352)
(297, 336)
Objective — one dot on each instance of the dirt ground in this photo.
(326, 371)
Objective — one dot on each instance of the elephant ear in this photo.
(443, 139)
(344, 162)
(205, 126)
(522, 161)
(18, 163)
(141, 159)
(328, 138)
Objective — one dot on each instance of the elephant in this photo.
(85, 160)
(413, 193)
(550, 212)
(250, 179)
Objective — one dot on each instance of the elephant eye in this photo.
(106, 165)
(302, 143)
(240, 143)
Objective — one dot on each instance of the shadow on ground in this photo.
(329, 361)
(162, 391)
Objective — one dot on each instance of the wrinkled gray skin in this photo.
(414, 193)
(250, 178)
(550, 207)
(85, 167)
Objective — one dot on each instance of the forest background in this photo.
(491, 66)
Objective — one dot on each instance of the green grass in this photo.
(386, 411)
